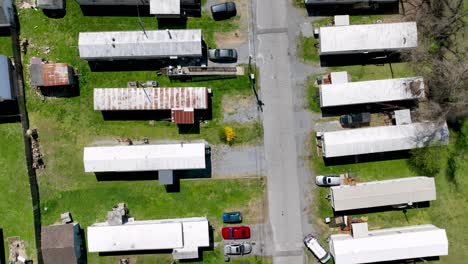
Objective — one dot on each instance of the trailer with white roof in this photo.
(367, 92)
(184, 235)
(370, 140)
(140, 45)
(394, 192)
(401, 243)
(368, 38)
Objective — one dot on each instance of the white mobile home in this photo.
(389, 244)
(404, 191)
(368, 38)
(184, 235)
(366, 92)
(134, 45)
(381, 139)
(160, 98)
(183, 156)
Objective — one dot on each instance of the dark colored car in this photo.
(222, 55)
(223, 11)
(236, 232)
(355, 120)
(232, 217)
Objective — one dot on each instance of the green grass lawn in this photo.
(148, 200)
(16, 218)
(66, 125)
(447, 211)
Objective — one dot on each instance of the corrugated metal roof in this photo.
(383, 193)
(390, 244)
(6, 91)
(184, 235)
(165, 7)
(53, 74)
(382, 139)
(339, 94)
(183, 156)
(155, 44)
(183, 116)
(372, 37)
(114, 99)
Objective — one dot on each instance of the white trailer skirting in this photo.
(367, 38)
(150, 44)
(383, 193)
(351, 93)
(183, 156)
(390, 244)
(382, 139)
(184, 235)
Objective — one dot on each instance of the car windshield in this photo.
(329, 180)
(231, 232)
(324, 180)
(243, 232)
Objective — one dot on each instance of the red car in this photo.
(236, 232)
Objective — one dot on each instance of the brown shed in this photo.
(53, 74)
(61, 244)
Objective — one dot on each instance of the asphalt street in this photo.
(287, 125)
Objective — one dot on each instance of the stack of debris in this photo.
(17, 251)
(118, 215)
(38, 162)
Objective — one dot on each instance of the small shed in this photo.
(185, 236)
(61, 244)
(51, 74)
(182, 156)
(382, 139)
(383, 193)
(6, 79)
(367, 92)
(390, 244)
(354, 39)
(51, 4)
(150, 44)
(6, 13)
(165, 8)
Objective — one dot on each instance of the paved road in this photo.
(279, 124)
(287, 125)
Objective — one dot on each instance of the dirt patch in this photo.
(229, 39)
(239, 108)
(27, 4)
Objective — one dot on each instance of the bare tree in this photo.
(441, 57)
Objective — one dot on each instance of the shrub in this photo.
(229, 135)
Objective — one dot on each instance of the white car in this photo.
(328, 180)
(313, 245)
(237, 249)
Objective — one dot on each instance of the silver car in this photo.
(237, 249)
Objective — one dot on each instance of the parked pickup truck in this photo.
(355, 120)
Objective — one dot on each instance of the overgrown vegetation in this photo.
(16, 218)
(307, 49)
(441, 57)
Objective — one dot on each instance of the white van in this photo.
(313, 245)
